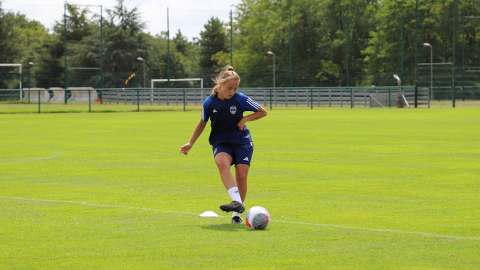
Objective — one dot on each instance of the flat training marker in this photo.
(209, 214)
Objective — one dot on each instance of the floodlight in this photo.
(144, 80)
(430, 91)
(397, 78)
(35, 70)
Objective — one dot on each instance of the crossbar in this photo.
(435, 64)
(178, 80)
(82, 68)
(10, 65)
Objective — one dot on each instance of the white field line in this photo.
(98, 205)
(279, 221)
(36, 159)
(57, 153)
(382, 230)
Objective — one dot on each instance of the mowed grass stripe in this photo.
(347, 189)
(274, 221)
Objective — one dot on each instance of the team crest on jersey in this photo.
(233, 110)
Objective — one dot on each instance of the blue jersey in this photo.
(225, 115)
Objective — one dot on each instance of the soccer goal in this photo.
(178, 80)
(436, 79)
(14, 65)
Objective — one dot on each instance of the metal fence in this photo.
(143, 99)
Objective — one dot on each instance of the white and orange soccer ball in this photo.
(257, 218)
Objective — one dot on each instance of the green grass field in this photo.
(346, 189)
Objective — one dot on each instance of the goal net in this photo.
(11, 77)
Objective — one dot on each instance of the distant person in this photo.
(230, 138)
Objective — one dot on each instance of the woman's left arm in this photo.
(261, 112)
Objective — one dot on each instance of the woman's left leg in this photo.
(241, 174)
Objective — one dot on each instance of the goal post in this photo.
(178, 80)
(20, 73)
(436, 73)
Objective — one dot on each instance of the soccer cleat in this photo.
(237, 220)
(234, 206)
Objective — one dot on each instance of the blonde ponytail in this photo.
(226, 74)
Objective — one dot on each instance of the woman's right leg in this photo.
(223, 161)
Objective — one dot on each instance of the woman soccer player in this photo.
(230, 138)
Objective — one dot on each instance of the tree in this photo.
(7, 48)
(318, 40)
(50, 62)
(181, 43)
(8, 51)
(213, 40)
(82, 45)
(78, 25)
(128, 20)
(361, 22)
(182, 64)
(21, 41)
(123, 43)
(384, 51)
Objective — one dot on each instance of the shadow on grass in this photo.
(224, 227)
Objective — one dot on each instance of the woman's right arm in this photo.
(196, 133)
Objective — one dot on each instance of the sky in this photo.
(189, 16)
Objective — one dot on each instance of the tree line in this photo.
(123, 40)
(315, 42)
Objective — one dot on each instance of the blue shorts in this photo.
(240, 153)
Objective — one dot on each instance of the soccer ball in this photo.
(257, 218)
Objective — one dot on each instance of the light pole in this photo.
(144, 81)
(35, 70)
(271, 53)
(431, 71)
(399, 100)
(195, 42)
